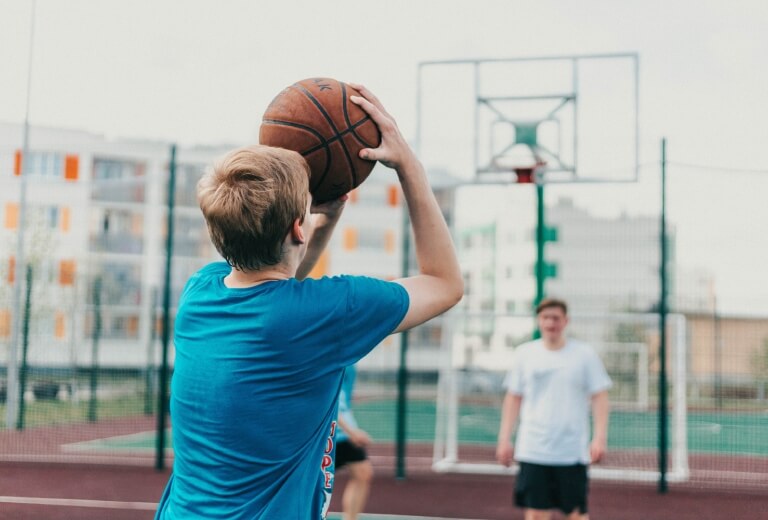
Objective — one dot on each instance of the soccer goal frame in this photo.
(463, 359)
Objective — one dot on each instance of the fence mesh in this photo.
(89, 359)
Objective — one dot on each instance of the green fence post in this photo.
(25, 350)
(540, 241)
(162, 399)
(662, 485)
(149, 370)
(402, 371)
(94, 383)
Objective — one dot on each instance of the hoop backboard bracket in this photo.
(564, 118)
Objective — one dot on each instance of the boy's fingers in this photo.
(370, 96)
(369, 154)
(379, 117)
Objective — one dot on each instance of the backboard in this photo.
(570, 118)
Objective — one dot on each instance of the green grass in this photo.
(54, 413)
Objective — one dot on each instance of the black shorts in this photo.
(348, 453)
(552, 487)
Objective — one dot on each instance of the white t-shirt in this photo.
(556, 387)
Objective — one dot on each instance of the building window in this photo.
(46, 164)
(52, 216)
(42, 164)
(104, 169)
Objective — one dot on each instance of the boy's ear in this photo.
(297, 233)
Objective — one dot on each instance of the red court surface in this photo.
(129, 493)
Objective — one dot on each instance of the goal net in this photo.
(476, 354)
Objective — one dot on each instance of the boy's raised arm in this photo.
(439, 284)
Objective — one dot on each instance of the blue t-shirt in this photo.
(255, 389)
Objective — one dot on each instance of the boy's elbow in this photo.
(456, 292)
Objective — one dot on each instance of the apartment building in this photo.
(95, 220)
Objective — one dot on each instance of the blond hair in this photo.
(250, 200)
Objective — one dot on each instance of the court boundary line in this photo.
(152, 506)
(380, 516)
(79, 502)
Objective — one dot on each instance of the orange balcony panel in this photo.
(393, 196)
(60, 326)
(67, 272)
(65, 219)
(350, 239)
(11, 215)
(71, 167)
(5, 323)
(321, 267)
(17, 163)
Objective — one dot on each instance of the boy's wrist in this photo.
(408, 166)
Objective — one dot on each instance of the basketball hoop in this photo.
(524, 175)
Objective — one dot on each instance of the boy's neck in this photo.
(554, 343)
(237, 279)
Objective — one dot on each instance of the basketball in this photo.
(316, 118)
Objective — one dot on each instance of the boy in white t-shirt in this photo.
(551, 386)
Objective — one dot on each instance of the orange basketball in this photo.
(316, 118)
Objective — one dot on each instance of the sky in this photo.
(202, 72)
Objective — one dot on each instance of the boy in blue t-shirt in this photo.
(261, 351)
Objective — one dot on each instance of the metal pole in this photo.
(162, 399)
(662, 485)
(25, 349)
(94, 383)
(540, 241)
(402, 371)
(11, 409)
(718, 351)
(149, 371)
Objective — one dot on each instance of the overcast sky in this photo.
(197, 71)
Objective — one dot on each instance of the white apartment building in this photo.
(599, 265)
(97, 209)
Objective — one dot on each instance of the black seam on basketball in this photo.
(354, 127)
(338, 135)
(346, 120)
(323, 143)
(309, 129)
(342, 134)
(317, 104)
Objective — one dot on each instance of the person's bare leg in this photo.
(356, 491)
(575, 515)
(538, 514)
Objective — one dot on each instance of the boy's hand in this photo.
(393, 151)
(359, 438)
(505, 453)
(331, 208)
(597, 449)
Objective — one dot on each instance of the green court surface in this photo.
(708, 432)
